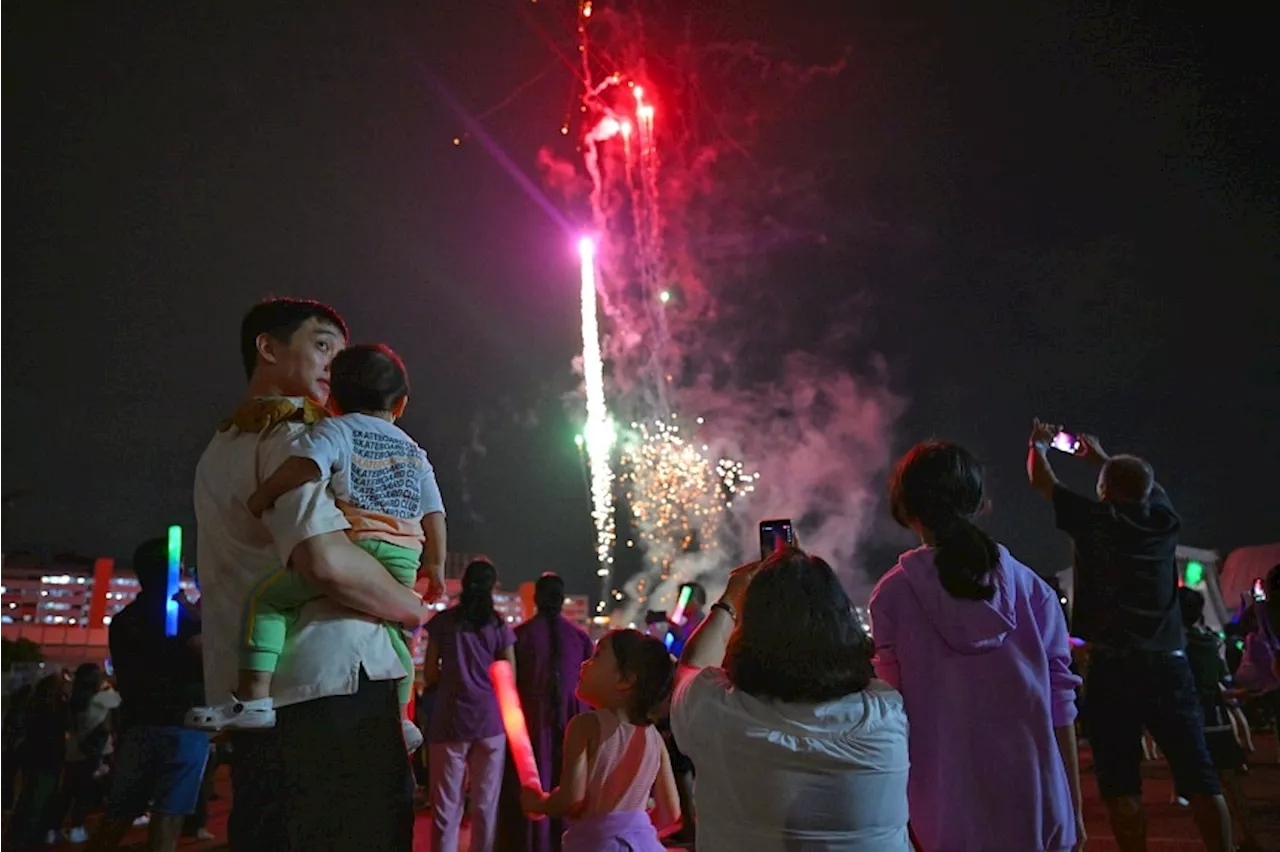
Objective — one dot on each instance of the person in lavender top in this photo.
(466, 736)
(977, 644)
(550, 650)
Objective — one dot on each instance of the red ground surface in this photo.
(1171, 827)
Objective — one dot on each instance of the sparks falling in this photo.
(598, 435)
(677, 491)
(678, 496)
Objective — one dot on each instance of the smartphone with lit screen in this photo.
(1065, 442)
(1259, 590)
(775, 535)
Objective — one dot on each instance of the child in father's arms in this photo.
(386, 488)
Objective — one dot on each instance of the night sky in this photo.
(1067, 210)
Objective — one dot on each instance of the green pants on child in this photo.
(273, 606)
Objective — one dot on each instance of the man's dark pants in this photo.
(1127, 691)
(332, 775)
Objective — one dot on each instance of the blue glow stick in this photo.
(174, 583)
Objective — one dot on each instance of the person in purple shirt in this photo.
(550, 650)
(465, 734)
(977, 644)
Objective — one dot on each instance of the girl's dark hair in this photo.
(476, 600)
(648, 661)
(939, 485)
(548, 597)
(798, 638)
(86, 683)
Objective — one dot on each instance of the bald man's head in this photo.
(1125, 479)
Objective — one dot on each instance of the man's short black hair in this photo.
(280, 318)
(367, 377)
(151, 564)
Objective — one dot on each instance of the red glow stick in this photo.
(504, 686)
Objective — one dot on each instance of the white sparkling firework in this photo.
(598, 436)
(677, 490)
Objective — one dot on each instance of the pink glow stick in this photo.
(504, 686)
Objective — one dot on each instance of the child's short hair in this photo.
(648, 661)
(368, 377)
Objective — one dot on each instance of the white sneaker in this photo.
(412, 736)
(234, 715)
(78, 835)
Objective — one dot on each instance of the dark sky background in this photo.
(1073, 213)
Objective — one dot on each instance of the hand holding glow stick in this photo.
(504, 686)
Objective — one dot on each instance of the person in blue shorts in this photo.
(160, 763)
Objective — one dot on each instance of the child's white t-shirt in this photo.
(380, 477)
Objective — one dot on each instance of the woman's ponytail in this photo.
(938, 486)
(964, 556)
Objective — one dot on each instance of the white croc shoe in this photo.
(412, 736)
(252, 715)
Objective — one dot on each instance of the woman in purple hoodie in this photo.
(977, 644)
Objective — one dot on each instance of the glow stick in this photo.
(685, 594)
(1074, 642)
(174, 584)
(504, 686)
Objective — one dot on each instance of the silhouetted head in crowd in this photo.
(937, 490)
(798, 638)
(476, 600)
(1125, 479)
(86, 683)
(548, 594)
(1191, 602)
(151, 565)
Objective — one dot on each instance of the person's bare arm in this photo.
(568, 798)
(666, 797)
(354, 579)
(431, 664)
(1039, 471)
(433, 556)
(295, 472)
(1066, 737)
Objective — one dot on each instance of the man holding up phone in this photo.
(1126, 609)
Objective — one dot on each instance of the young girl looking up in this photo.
(613, 756)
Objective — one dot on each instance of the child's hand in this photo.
(435, 584)
(531, 800)
(257, 504)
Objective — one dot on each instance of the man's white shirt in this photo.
(329, 644)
